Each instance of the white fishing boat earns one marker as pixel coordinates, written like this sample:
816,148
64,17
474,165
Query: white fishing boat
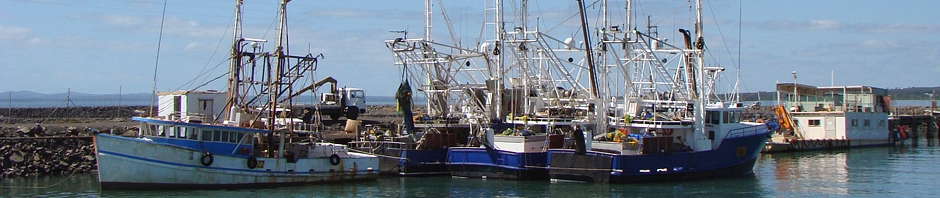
208,139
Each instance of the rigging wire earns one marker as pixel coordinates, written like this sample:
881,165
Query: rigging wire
157,62
740,26
203,71
720,33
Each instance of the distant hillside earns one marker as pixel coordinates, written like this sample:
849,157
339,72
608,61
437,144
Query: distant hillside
909,93
914,93
33,99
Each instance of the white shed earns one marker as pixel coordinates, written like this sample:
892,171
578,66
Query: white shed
187,105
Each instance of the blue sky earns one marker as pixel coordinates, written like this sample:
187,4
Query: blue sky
98,46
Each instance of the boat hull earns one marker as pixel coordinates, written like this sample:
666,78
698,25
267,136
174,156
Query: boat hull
497,164
410,162
735,156
821,144
133,163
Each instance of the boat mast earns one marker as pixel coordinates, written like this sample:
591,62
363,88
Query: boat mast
498,75
429,67
587,49
274,86
524,23
427,20
234,66
699,108
628,51
582,137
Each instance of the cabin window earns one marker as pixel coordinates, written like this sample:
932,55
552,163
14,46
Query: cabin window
725,117
233,137
735,117
184,133
356,94
192,133
854,122
713,117
206,135
216,136
225,136
153,130
164,130
796,122
814,123
867,122
174,131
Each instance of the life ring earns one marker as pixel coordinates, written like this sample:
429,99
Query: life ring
252,162
244,151
667,132
206,159
334,159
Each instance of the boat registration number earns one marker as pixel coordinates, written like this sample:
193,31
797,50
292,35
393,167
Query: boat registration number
741,151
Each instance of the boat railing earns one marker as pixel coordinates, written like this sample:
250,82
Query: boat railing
746,131
189,117
379,145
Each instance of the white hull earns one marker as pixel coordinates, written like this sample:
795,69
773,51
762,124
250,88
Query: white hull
138,163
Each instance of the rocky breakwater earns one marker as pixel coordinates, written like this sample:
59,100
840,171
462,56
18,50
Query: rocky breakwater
37,150
70,114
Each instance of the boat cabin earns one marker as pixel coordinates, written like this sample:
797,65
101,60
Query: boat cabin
196,136
837,112
191,106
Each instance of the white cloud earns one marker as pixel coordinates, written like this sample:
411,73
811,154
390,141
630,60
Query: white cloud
36,41
824,25
148,25
14,33
847,27
191,45
190,28
122,20
881,44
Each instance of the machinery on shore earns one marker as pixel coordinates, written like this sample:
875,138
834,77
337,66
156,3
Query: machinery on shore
338,102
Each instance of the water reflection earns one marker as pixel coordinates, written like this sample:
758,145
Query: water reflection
741,186
902,171
46,186
899,170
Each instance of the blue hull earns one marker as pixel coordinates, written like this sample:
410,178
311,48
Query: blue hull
498,164
735,156
410,162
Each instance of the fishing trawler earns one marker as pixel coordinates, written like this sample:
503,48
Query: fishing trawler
531,97
209,139
420,145
668,123
472,97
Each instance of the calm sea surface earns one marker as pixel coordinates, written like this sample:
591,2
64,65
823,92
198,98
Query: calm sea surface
905,171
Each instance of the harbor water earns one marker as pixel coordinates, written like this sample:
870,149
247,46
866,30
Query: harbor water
901,171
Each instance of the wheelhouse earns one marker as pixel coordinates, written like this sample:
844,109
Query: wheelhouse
210,138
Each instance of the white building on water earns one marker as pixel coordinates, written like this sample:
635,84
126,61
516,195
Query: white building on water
832,117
